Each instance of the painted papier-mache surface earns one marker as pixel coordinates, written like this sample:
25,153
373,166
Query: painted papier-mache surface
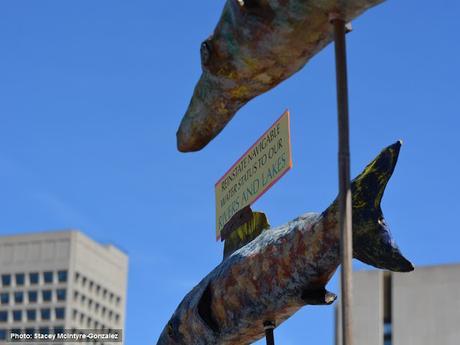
286,268
256,45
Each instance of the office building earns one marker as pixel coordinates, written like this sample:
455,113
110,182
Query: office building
417,308
60,280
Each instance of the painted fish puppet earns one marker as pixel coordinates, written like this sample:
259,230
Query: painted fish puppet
285,268
256,45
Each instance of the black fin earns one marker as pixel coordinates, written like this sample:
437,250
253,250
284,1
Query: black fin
245,233
373,242
318,297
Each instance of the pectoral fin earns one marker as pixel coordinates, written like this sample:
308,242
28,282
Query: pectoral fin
318,297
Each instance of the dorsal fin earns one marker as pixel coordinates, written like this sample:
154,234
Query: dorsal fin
245,233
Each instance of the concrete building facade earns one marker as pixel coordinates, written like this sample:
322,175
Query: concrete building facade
417,308
60,280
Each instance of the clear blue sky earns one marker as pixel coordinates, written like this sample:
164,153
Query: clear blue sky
91,94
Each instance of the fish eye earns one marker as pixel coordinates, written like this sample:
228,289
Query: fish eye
205,51
170,329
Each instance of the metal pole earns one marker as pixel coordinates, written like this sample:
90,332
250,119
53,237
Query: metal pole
345,200
269,327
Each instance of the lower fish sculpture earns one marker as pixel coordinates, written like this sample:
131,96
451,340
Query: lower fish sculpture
286,268
255,46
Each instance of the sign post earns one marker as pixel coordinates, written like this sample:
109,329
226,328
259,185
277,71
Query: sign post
254,173
269,336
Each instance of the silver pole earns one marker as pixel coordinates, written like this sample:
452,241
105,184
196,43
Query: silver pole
345,200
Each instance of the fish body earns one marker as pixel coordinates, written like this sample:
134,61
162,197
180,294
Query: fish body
286,268
256,45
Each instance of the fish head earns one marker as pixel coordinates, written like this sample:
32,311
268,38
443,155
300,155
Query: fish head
373,242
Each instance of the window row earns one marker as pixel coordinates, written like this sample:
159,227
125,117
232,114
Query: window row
33,296
90,322
95,307
97,288
33,278
43,314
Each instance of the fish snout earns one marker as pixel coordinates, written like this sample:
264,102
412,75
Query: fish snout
208,113
193,133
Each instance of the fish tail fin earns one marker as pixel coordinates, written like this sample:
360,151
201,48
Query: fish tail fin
373,243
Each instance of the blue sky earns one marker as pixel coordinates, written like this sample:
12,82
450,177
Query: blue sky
92,92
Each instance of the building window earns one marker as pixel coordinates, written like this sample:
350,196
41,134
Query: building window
30,331
61,294
47,295
83,281
44,330
6,280
118,300
20,278
104,293
117,318
96,307
98,289
3,316
5,298
17,315
91,285
32,296
15,330
2,334
19,297
45,314
48,277
31,315
387,333
58,329
33,278
387,309
74,314
62,276
60,313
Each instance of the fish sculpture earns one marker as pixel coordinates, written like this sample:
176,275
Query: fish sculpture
256,45
286,268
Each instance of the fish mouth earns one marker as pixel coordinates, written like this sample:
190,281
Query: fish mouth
209,111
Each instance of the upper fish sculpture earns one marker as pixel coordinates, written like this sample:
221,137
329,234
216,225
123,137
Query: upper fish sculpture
256,45
286,268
